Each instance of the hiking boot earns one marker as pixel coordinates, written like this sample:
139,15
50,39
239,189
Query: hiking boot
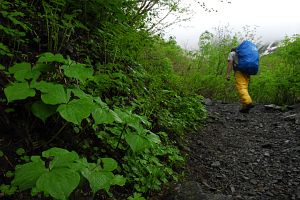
246,108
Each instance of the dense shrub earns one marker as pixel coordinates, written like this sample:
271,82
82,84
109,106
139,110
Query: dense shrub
91,100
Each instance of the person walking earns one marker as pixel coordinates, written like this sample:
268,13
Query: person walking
242,73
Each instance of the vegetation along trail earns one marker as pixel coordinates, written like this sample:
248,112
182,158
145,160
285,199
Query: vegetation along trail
245,156
97,103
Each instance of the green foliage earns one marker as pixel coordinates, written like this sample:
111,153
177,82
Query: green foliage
279,78
128,129
109,99
136,196
13,27
4,50
60,25
213,49
52,93
78,71
61,174
42,110
148,172
181,113
18,91
20,151
71,110
7,189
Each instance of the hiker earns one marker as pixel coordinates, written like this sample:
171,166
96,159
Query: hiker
243,70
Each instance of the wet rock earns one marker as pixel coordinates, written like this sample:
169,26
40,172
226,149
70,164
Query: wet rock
297,148
297,120
219,197
290,117
187,149
298,192
241,120
232,189
216,164
286,141
190,190
260,153
208,102
292,107
200,142
273,107
267,154
270,194
254,182
267,146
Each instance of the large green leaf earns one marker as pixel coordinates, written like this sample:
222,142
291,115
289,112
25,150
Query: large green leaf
26,175
103,116
98,180
23,71
24,66
81,94
130,119
77,110
118,180
61,157
51,93
50,57
153,138
42,111
101,103
42,67
18,91
81,164
108,164
117,118
59,183
78,71
136,142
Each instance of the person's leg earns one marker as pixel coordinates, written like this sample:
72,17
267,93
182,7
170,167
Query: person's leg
242,82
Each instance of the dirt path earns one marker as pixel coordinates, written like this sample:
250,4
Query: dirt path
246,156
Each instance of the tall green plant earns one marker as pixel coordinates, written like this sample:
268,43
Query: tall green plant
279,79
60,174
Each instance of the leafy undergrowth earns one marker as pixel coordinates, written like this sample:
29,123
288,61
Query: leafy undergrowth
85,141
89,107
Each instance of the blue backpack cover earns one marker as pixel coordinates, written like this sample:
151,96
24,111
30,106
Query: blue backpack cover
248,58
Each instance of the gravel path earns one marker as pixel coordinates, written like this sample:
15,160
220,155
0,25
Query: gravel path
247,156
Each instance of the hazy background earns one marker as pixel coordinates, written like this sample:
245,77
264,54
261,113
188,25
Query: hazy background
274,19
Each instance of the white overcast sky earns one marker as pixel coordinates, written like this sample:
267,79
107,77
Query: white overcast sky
274,18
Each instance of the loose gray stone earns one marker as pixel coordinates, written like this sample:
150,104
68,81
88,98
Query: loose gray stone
190,190
290,117
297,120
254,182
267,154
219,197
208,102
216,164
273,107
298,192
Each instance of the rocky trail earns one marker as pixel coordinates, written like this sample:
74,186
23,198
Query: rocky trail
243,156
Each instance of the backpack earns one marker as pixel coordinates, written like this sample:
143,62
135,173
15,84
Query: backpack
248,58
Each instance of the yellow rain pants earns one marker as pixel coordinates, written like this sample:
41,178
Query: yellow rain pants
241,84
